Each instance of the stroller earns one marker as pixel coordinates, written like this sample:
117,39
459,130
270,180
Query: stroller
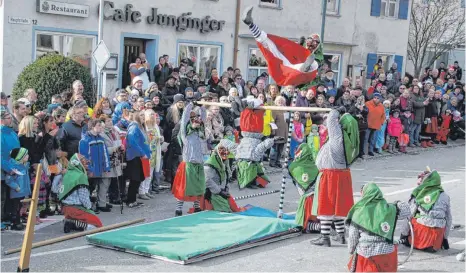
457,127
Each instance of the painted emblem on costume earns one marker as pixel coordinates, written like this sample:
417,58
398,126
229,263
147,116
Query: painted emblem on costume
305,177
427,199
385,227
62,188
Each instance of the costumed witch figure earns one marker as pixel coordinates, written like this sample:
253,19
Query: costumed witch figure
218,175
333,196
303,171
251,148
189,182
432,220
75,196
289,63
372,223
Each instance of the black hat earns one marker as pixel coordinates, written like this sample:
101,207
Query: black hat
178,97
320,84
176,70
329,70
170,77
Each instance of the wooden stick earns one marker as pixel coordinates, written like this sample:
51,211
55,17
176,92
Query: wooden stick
273,108
76,235
25,256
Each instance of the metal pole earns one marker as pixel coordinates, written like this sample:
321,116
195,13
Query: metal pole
324,14
99,38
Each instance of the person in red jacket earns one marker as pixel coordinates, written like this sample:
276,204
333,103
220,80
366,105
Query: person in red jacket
444,129
375,120
395,128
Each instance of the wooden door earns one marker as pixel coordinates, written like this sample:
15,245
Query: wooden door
133,47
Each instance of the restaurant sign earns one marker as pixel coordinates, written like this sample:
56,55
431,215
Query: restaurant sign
60,8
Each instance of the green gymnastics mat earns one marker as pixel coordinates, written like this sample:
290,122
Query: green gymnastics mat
196,237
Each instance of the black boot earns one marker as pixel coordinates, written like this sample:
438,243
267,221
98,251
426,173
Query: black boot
404,240
323,240
68,226
178,213
197,210
340,237
247,16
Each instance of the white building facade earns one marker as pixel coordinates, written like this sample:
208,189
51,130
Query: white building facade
359,32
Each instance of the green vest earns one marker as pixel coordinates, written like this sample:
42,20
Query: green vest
74,178
303,169
373,214
428,192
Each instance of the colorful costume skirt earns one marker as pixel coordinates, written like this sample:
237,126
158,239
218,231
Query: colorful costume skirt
189,182
219,203
249,172
380,263
425,237
81,214
333,195
304,212
432,127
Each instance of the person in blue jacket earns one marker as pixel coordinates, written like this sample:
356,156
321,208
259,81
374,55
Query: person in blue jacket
118,113
92,147
20,185
137,148
10,141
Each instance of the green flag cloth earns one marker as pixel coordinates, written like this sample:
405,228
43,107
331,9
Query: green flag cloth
74,178
350,129
428,192
373,214
303,168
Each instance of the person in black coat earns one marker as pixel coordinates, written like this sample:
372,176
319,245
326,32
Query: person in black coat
170,90
359,111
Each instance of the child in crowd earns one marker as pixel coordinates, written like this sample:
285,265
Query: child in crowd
313,140
155,136
307,123
395,128
19,184
444,129
380,134
297,135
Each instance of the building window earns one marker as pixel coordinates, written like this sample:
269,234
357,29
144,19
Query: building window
77,47
270,3
203,58
333,60
256,64
333,7
389,8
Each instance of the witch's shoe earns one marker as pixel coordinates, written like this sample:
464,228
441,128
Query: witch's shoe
247,16
340,237
322,241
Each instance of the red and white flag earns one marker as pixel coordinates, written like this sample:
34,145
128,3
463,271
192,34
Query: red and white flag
282,72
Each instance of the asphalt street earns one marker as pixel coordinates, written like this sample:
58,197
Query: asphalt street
396,175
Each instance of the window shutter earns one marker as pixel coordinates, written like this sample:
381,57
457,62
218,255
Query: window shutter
375,8
371,61
403,9
399,62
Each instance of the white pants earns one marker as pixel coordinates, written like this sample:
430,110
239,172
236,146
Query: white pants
145,185
270,45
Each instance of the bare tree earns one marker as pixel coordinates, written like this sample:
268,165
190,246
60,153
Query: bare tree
436,27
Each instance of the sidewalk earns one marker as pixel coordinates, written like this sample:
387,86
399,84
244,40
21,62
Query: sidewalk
410,151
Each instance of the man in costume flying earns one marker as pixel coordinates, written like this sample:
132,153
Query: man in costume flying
333,196
430,206
372,223
289,63
75,197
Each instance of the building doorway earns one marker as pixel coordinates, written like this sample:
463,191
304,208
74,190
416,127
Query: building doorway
132,49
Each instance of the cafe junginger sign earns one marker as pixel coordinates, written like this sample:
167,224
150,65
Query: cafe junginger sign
180,23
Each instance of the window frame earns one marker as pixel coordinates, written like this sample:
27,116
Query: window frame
258,68
199,45
337,8
93,68
340,65
386,12
277,5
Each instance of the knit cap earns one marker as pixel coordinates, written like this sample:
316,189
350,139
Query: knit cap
18,153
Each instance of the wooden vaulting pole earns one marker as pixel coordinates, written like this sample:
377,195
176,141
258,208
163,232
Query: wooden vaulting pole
273,108
25,256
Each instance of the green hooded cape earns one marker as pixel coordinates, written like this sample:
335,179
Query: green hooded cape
350,129
74,178
373,214
303,168
428,192
218,203
190,130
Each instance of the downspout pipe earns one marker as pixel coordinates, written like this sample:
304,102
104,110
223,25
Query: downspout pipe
237,22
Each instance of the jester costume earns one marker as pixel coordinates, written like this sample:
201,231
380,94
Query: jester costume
289,63
75,197
251,148
303,171
371,223
333,196
432,219
189,182
218,175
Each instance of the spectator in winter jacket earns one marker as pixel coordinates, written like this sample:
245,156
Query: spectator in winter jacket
70,133
344,87
328,81
162,71
345,100
116,117
393,77
92,147
459,71
395,128
223,86
359,111
213,81
375,120
120,96
170,89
